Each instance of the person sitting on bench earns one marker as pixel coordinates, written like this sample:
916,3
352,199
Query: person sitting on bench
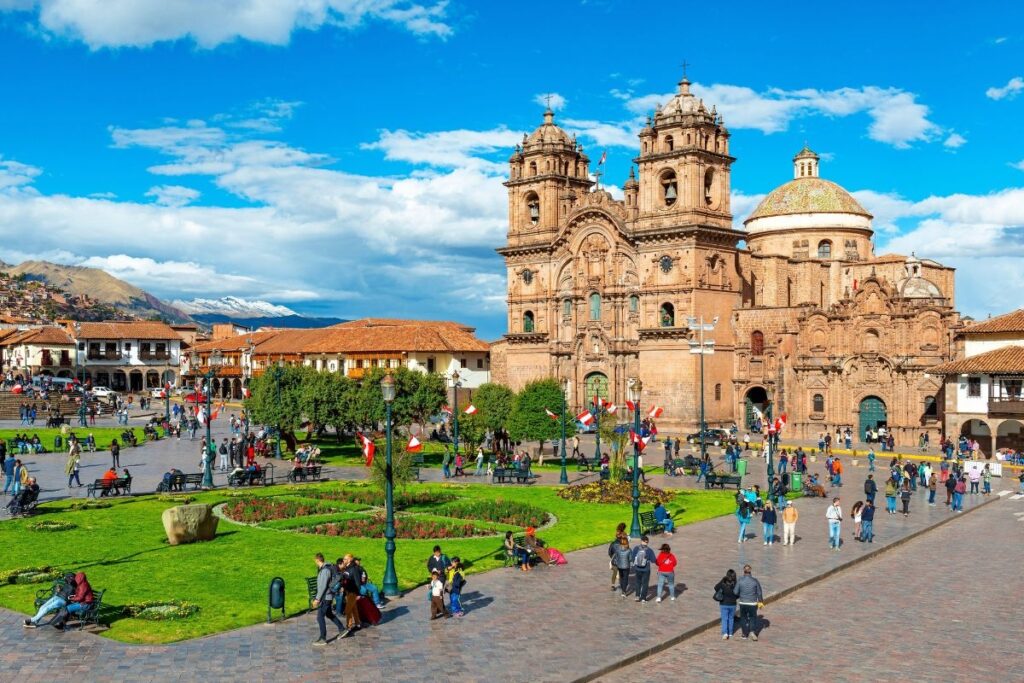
536,546
63,591
814,488
79,602
664,518
108,479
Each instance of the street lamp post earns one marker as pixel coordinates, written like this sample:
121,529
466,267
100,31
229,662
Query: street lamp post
387,388
703,348
597,410
455,412
211,450
85,395
167,401
564,478
278,369
635,389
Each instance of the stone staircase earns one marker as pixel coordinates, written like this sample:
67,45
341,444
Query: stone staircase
10,405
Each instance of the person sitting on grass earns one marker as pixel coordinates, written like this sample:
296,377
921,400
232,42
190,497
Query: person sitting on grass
664,518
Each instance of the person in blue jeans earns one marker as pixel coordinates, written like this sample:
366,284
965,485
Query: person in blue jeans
768,518
743,515
783,462
663,517
704,464
9,474
366,587
456,582
871,460
834,515
867,522
726,590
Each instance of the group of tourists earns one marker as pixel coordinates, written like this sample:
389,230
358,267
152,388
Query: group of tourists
343,587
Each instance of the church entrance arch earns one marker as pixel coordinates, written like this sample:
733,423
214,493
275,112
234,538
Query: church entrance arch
1010,434
756,397
873,414
596,384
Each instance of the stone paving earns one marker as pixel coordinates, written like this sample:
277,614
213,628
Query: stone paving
944,607
552,624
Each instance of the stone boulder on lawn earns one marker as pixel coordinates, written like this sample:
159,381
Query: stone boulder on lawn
190,523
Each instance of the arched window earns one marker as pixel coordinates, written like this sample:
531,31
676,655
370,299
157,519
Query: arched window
709,184
669,189
667,315
718,392
669,143
528,321
931,408
634,303
566,307
818,404
595,306
824,249
533,168
756,343
533,207
645,148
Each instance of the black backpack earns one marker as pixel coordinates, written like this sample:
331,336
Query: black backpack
334,582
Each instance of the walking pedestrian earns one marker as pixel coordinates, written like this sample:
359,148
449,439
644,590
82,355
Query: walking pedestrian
445,463
620,533
871,460
933,483
855,512
743,515
789,517
958,493
749,597
870,488
768,518
867,521
905,494
986,480
725,596
666,571
975,476
115,453
479,461
622,560
951,482
890,495
642,559
455,583
834,515
73,464
223,455
326,584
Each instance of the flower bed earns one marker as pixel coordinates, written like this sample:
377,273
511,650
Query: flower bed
619,492
373,498
408,528
30,575
177,500
255,510
499,510
161,610
52,525
89,505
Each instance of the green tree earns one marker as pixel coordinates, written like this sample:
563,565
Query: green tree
326,399
401,465
276,400
494,401
528,421
418,395
471,431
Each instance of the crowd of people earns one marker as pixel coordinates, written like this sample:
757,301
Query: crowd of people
344,587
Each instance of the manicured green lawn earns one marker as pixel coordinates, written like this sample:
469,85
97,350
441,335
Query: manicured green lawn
123,549
103,435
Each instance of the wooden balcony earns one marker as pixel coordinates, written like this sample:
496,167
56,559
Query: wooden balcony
154,356
1010,407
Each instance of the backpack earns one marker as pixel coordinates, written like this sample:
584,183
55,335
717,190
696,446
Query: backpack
622,557
641,561
334,582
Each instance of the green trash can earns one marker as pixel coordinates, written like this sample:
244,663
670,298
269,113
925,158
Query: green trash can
741,467
796,481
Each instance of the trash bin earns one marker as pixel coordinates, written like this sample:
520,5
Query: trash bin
796,481
741,467
58,443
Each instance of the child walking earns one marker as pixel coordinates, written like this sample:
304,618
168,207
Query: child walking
437,609
455,583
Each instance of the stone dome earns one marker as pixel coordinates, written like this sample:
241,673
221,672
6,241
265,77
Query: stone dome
685,103
807,195
549,134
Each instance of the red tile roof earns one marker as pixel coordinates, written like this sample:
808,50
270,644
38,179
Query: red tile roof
1009,359
1007,322
132,329
38,335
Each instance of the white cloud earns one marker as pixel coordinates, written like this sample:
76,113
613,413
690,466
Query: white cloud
173,195
897,118
14,174
1012,88
742,206
552,99
605,134
447,149
955,141
1018,165
209,23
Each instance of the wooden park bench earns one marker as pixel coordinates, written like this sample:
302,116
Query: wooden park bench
105,487
88,616
298,474
588,465
501,474
311,589
521,477
244,478
722,480
650,525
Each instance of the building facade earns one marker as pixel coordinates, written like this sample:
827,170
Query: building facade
806,318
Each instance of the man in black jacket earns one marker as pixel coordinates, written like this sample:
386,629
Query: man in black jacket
325,580
870,488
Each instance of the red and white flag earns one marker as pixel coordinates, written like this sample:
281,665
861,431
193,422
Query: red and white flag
201,416
631,406
637,440
597,402
470,410
604,157
586,417
610,407
368,448
780,422
446,409
550,414
656,411
246,393
414,445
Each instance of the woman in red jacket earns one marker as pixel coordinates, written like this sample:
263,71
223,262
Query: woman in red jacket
666,562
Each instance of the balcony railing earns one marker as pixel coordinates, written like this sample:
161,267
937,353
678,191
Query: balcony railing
1006,406
104,356
154,356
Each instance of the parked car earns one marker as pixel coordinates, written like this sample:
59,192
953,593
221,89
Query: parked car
157,393
714,437
102,392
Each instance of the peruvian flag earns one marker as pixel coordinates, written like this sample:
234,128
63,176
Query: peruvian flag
550,414
246,393
470,410
586,417
631,406
446,409
780,422
368,448
604,157
201,416
414,445
638,441
611,408
216,411
656,411
597,401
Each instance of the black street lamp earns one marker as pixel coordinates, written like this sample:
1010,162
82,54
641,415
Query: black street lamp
703,348
635,388
455,412
564,478
278,370
85,394
387,388
211,450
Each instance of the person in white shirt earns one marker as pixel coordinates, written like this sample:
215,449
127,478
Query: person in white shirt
834,515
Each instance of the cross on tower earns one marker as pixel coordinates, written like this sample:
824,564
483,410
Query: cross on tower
597,176
684,65
547,100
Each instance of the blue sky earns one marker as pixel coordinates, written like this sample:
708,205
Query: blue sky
345,157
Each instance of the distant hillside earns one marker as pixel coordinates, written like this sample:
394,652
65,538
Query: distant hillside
99,286
294,321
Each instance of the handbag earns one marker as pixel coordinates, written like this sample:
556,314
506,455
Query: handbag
719,595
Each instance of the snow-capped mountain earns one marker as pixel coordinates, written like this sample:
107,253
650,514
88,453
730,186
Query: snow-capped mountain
234,307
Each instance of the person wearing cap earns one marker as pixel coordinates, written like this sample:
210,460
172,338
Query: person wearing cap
643,558
666,571
664,518
789,517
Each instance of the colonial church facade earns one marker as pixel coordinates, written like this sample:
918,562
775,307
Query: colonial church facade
806,318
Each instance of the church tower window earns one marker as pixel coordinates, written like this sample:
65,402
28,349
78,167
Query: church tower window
718,392
669,143
595,306
824,249
669,188
634,303
756,343
528,322
533,168
931,408
566,307
818,404
709,184
667,315
533,207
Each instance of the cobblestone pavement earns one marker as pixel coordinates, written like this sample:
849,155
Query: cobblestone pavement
944,607
552,624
